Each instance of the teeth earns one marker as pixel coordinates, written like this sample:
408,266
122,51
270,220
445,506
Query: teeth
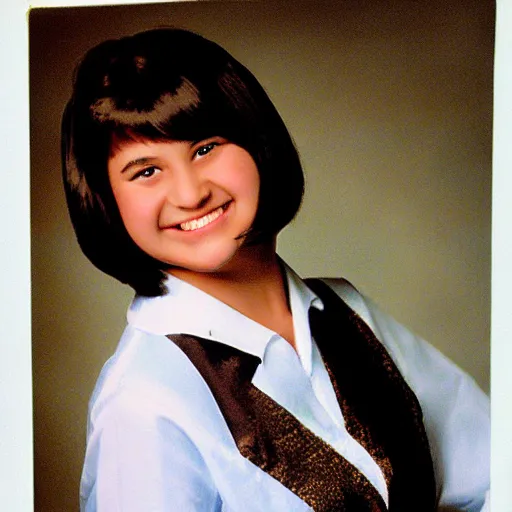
203,221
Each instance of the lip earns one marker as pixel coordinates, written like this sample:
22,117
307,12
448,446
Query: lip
176,226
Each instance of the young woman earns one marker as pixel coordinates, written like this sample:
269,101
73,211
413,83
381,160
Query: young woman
237,386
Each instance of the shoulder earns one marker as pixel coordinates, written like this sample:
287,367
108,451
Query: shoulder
395,338
412,354
149,379
415,357
140,417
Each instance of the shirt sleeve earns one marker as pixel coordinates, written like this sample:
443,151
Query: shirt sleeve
456,415
137,460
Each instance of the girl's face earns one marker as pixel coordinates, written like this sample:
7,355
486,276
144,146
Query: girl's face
184,203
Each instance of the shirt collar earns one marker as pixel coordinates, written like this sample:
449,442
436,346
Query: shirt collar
301,300
186,309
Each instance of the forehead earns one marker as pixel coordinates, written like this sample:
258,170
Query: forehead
129,142
121,142
129,150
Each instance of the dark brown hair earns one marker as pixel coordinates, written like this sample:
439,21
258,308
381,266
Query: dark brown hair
166,84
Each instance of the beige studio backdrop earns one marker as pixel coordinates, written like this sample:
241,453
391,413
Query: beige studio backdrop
390,106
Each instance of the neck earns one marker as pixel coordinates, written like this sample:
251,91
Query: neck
254,269
253,283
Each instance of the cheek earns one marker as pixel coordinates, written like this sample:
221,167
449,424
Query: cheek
251,187
245,180
136,212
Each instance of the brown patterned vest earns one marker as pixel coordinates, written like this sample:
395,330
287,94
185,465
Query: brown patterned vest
380,412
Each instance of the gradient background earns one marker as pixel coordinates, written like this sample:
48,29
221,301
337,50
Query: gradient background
391,109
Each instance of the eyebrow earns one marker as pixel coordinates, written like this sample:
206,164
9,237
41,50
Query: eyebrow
137,162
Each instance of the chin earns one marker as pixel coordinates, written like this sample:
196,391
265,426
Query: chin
211,263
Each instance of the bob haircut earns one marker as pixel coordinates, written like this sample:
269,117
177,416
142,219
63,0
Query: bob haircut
166,84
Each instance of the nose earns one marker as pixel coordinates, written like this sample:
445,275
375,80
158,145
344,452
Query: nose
188,190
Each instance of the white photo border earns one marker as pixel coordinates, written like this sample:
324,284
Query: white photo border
16,464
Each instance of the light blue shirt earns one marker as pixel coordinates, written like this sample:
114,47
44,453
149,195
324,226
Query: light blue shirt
158,442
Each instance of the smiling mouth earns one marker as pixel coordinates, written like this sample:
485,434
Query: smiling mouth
201,222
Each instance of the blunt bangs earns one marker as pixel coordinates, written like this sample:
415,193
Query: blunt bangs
166,84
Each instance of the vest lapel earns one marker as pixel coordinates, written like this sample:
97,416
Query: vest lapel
379,408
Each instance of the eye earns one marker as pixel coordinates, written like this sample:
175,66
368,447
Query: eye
205,149
145,173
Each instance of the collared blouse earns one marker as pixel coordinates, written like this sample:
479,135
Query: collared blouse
156,440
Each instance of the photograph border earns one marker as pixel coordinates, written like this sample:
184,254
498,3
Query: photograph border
15,364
